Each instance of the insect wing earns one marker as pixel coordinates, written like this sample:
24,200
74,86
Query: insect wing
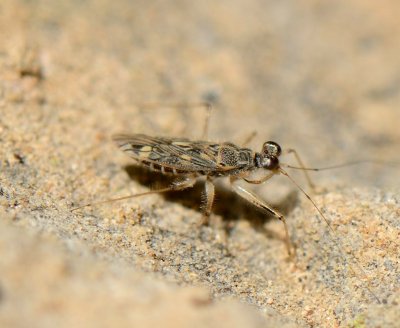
177,153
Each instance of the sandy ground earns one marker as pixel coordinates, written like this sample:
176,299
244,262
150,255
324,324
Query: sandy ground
322,77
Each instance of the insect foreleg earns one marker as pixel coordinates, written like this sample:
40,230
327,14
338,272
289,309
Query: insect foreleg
260,181
256,201
301,164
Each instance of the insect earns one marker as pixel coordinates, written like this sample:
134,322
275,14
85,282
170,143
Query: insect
188,160
192,159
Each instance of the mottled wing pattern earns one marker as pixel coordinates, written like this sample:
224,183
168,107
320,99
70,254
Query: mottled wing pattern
178,153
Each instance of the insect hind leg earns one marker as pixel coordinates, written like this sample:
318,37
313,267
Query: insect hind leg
188,182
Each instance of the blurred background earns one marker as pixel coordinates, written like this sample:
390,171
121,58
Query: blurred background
319,76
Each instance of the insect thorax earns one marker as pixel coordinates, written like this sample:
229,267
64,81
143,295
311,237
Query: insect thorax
231,160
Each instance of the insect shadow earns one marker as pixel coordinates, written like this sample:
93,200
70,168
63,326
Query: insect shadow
227,203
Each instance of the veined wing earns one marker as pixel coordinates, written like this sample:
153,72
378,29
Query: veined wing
178,153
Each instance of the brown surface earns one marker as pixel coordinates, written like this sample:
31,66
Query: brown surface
322,77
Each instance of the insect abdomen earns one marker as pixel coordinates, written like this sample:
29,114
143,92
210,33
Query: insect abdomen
168,170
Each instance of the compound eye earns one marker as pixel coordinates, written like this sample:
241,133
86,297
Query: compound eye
270,163
272,148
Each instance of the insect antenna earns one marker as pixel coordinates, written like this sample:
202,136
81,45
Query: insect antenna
337,166
335,239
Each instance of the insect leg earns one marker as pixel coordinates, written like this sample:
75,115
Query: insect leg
249,138
176,186
210,193
256,201
301,164
185,183
207,106
259,181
